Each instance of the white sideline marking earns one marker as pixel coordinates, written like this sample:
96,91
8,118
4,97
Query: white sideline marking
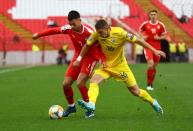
15,69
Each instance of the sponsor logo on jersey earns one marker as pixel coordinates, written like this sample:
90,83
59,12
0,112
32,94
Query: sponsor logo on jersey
110,48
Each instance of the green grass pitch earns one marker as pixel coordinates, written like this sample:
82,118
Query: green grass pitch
26,95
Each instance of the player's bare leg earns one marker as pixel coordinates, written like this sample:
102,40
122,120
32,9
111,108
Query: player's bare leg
93,94
68,92
135,90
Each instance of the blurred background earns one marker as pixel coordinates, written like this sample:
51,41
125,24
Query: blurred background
19,19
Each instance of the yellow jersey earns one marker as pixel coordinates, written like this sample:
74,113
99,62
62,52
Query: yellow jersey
113,46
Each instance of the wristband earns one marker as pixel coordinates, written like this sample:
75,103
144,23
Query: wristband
79,58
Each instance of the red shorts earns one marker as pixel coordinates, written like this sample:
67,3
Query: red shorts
149,55
86,66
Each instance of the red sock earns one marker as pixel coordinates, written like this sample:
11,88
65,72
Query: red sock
84,92
153,74
68,92
150,76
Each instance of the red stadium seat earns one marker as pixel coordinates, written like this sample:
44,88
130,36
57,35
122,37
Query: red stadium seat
11,41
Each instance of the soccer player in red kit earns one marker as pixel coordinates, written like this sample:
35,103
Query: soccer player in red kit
153,31
78,33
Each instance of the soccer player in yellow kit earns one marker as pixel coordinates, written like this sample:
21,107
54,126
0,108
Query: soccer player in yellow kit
112,40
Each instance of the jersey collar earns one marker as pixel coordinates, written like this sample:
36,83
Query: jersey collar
82,29
154,23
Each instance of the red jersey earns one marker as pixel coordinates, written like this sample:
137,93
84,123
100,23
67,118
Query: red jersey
78,39
150,30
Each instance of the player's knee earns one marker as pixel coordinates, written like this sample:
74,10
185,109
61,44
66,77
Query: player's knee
151,66
154,65
66,84
95,80
134,91
81,82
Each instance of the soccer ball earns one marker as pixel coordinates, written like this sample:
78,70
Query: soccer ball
56,112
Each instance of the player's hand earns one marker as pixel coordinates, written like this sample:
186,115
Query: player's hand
104,65
156,37
35,36
160,53
145,37
76,63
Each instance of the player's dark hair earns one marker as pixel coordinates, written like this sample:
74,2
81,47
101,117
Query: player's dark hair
73,15
101,24
153,11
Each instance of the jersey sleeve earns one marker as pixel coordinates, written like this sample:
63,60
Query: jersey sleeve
163,29
92,39
142,27
128,36
51,31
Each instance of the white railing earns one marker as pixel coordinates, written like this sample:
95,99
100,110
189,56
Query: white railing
41,9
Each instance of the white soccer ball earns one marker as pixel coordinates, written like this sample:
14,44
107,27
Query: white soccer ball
56,112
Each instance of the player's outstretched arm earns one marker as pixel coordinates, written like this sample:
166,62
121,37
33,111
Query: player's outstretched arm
142,35
143,43
52,31
81,55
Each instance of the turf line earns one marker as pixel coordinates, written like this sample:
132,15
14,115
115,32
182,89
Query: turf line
15,69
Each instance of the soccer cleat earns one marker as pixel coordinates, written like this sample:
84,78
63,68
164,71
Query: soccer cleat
69,110
157,107
150,87
82,104
89,114
90,106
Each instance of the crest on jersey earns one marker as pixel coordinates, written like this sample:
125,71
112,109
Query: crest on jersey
123,75
130,36
158,27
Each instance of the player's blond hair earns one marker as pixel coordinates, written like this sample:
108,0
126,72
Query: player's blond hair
101,24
